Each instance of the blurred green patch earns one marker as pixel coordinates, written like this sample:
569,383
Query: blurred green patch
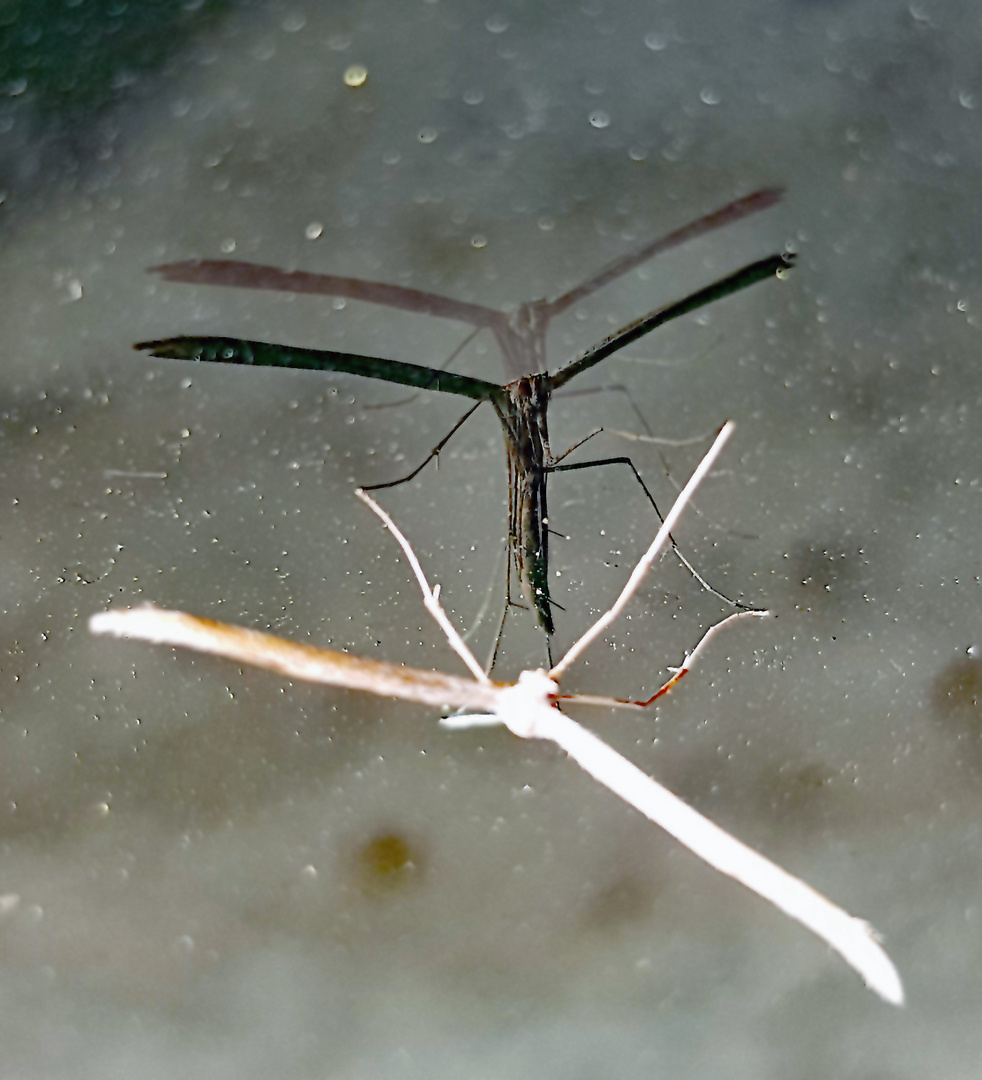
72,58
387,863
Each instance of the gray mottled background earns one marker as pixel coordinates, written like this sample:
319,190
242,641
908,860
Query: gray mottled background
210,872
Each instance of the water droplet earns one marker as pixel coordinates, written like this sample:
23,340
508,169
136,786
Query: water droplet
973,651
227,246
708,96
599,119
546,224
309,872
294,22
497,24
637,153
314,230
966,99
355,75
479,241
391,157
473,96
656,42
428,134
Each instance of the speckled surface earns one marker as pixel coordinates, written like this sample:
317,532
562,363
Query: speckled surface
210,872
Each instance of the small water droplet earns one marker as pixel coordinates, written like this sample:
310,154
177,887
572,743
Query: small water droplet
546,224
708,96
309,872
227,246
473,96
599,119
428,134
355,75
637,153
479,241
656,42
294,22
496,24
973,651
314,230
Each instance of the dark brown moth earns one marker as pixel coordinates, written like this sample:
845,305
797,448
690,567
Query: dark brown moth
521,404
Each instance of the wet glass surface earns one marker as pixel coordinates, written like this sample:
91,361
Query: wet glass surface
210,871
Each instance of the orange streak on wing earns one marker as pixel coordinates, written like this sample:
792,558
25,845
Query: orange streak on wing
297,660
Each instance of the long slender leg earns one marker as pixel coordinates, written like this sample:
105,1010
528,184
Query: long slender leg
739,605
613,388
694,511
552,466
435,452
509,604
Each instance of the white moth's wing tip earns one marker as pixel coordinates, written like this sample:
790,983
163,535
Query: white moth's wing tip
147,622
462,721
876,968
858,944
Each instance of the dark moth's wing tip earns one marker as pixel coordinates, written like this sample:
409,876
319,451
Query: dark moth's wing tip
176,271
178,348
764,198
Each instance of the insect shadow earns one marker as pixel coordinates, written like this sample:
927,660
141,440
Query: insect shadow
521,404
